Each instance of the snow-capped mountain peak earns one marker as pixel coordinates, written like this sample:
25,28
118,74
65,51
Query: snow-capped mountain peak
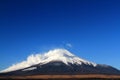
62,55
65,56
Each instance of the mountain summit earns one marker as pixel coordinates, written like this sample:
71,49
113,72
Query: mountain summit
57,61
63,56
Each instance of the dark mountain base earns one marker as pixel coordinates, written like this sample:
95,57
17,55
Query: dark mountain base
60,68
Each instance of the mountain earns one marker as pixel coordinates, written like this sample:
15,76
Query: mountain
58,62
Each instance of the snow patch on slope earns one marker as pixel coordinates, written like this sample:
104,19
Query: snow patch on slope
28,69
52,55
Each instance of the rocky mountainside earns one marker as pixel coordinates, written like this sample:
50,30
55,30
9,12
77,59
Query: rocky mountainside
59,61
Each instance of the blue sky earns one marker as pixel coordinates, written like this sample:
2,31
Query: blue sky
92,27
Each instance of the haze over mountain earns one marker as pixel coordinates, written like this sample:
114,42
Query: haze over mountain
57,61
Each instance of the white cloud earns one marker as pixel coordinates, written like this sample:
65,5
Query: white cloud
69,45
31,60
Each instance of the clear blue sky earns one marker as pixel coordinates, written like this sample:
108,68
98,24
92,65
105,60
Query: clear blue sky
92,27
